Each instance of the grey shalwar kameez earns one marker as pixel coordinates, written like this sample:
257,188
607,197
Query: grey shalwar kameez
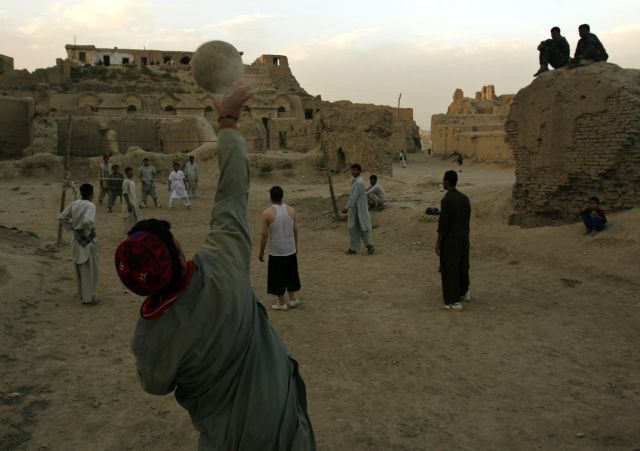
216,347
359,222
453,225
80,217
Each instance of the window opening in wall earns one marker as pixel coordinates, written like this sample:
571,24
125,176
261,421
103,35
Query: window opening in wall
143,61
166,59
83,57
281,111
185,60
208,109
125,60
169,108
308,113
276,61
131,108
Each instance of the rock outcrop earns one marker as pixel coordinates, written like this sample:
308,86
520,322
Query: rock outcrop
575,134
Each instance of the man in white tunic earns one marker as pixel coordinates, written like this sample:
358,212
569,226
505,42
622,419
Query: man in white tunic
191,172
359,222
80,217
103,175
176,186
130,206
279,228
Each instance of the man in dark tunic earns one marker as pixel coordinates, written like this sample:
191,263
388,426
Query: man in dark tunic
554,51
589,47
453,243
202,334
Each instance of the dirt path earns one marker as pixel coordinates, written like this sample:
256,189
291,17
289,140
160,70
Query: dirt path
544,357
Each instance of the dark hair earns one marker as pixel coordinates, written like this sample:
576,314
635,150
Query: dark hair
555,29
373,177
115,166
105,157
145,159
128,168
585,27
594,199
356,166
162,229
451,177
276,193
86,190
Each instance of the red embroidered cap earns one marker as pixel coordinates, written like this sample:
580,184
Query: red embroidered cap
144,263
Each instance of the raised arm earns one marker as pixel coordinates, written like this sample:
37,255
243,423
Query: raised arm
229,229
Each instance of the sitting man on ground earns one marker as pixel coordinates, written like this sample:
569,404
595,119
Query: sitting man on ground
589,48
593,216
376,197
554,51
202,334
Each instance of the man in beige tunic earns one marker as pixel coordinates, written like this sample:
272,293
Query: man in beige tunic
80,217
130,206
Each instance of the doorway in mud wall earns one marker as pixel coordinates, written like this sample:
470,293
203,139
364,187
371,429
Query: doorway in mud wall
282,139
106,60
265,122
342,160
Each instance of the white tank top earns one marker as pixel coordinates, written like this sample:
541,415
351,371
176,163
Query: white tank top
281,240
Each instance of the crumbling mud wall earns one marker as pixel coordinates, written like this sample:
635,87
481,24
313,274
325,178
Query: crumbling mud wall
353,135
473,127
575,134
16,125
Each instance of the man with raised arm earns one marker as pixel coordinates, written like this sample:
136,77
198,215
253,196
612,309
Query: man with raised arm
202,333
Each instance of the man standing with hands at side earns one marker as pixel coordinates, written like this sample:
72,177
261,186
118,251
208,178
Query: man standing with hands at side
452,245
279,228
359,222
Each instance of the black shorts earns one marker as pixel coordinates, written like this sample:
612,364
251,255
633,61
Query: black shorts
283,275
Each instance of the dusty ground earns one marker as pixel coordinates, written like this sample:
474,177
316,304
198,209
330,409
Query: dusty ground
545,357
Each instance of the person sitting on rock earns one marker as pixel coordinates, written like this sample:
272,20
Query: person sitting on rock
589,48
554,51
593,216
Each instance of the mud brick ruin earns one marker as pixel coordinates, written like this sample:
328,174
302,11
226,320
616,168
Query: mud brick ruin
575,134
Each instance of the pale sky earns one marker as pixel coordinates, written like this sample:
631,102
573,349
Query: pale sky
363,51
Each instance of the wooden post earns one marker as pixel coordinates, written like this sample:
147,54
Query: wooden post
333,198
65,178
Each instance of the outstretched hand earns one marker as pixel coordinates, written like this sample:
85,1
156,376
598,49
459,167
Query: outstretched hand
232,103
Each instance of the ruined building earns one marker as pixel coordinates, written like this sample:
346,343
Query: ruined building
473,127
575,134
90,55
127,104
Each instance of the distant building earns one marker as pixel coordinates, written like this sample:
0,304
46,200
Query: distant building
89,54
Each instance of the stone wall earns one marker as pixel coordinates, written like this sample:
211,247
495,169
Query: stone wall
575,134
16,125
473,127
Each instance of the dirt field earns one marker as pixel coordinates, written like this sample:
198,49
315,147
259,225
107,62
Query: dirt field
545,357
